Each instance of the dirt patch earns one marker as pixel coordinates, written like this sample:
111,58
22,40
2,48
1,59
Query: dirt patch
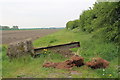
78,61
50,64
65,65
98,63
10,36
65,53
68,64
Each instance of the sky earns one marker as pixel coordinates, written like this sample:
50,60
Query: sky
41,13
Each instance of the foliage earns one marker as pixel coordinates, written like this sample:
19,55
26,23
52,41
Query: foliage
15,27
8,28
4,27
72,24
103,20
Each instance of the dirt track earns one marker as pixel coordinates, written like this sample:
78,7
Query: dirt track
18,35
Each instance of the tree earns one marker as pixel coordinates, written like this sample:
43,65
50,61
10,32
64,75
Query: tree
103,19
15,27
5,27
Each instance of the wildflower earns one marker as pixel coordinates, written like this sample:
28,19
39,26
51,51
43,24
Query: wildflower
103,74
44,52
110,75
45,49
103,69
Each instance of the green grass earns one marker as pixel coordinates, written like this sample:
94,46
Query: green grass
90,47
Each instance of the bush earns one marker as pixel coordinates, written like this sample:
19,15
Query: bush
102,19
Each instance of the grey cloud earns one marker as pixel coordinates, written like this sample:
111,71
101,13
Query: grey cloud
41,13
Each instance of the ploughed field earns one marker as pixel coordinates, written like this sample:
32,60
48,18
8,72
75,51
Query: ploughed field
9,36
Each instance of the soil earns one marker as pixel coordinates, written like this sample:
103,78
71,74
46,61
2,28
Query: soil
78,61
98,63
9,36
68,64
65,65
65,53
50,64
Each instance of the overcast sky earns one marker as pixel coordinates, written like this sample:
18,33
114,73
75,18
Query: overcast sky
41,13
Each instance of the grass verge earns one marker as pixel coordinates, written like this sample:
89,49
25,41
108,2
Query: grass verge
90,47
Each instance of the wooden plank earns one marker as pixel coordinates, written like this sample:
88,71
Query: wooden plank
61,46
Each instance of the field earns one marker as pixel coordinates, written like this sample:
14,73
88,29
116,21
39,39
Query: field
28,67
9,36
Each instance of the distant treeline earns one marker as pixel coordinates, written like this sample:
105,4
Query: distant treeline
16,28
8,28
103,20
43,28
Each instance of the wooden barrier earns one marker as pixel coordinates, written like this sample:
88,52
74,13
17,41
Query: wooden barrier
63,48
22,48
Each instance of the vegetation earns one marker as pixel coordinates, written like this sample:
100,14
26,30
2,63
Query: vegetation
8,28
98,34
103,20
90,47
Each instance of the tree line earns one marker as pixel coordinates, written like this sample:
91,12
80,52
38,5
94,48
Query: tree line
8,28
103,20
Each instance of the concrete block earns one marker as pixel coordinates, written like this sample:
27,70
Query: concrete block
21,48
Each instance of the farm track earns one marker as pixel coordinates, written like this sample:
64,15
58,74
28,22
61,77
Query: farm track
10,36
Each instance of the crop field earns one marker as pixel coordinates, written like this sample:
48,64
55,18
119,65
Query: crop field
9,36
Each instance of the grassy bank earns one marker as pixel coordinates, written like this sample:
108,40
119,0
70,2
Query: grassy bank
90,47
